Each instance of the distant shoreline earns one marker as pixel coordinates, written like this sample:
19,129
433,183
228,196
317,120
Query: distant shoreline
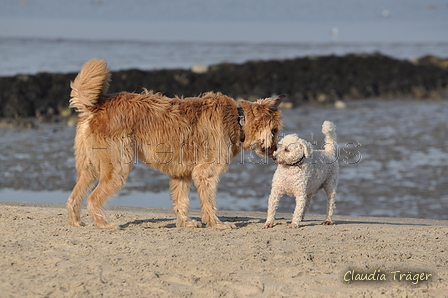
320,80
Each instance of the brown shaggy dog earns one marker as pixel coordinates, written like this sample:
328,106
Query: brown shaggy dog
186,138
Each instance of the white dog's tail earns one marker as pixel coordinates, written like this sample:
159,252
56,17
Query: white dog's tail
329,130
90,83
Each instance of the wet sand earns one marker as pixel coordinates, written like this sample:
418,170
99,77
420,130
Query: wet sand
42,256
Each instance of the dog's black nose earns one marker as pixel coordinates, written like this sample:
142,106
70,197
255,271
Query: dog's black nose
273,158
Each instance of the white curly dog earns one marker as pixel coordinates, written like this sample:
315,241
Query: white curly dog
302,172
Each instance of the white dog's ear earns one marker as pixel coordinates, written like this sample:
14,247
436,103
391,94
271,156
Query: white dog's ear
307,149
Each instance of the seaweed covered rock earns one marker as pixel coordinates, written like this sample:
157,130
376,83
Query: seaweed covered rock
321,80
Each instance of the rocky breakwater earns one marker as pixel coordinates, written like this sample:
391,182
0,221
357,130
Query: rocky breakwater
320,80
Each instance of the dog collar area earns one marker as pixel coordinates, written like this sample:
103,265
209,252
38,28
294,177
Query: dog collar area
241,121
297,163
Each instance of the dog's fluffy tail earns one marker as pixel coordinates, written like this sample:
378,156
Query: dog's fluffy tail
90,83
329,130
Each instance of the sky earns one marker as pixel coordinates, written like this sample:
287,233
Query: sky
228,20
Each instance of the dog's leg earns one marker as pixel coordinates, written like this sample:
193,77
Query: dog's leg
106,188
331,196
307,206
206,177
112,179
180,188
299,211
274,198
86,179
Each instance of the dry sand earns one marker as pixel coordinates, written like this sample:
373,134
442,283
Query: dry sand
41,256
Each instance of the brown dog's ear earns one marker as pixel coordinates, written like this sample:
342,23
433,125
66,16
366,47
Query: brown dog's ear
244,103
277,100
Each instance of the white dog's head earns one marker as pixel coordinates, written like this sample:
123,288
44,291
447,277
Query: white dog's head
292,150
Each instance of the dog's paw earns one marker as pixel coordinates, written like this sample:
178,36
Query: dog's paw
189,224
77,224
268,225
222,226
327,223
293,226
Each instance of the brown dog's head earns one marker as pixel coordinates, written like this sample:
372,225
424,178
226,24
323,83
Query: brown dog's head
262,122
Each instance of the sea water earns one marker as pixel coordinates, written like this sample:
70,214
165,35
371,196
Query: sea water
401,145
392,156
59,36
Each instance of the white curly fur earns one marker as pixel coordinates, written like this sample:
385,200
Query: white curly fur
302,172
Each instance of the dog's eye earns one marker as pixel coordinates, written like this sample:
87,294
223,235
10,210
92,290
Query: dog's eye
286,150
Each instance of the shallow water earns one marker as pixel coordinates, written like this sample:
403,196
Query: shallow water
393,162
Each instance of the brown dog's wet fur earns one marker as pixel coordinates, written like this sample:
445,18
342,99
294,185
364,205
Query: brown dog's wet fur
187,138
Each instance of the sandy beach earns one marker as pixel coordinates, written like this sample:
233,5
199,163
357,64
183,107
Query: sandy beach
42,256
